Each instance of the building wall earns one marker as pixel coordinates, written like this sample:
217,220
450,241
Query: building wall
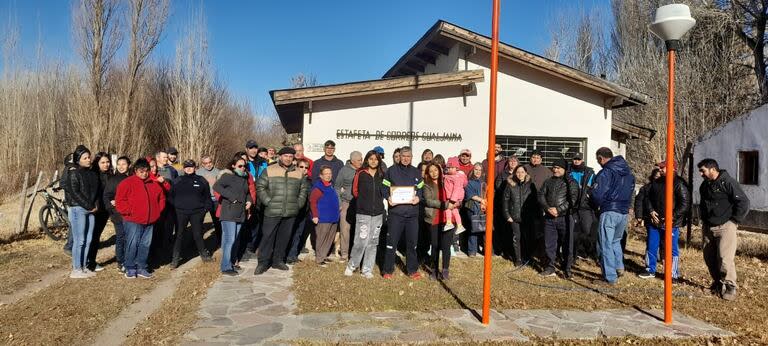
530,103
724,143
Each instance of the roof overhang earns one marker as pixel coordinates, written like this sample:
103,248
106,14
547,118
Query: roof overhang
291,103
632,131
433,43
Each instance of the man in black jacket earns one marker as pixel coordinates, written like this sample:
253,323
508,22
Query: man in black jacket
558,198
654,208
723,205
404,217
585,243
191,196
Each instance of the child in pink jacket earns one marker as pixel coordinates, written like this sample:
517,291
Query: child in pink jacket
454,182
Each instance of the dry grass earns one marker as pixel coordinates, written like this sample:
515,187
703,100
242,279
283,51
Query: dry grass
178,313
25,262
72,311
523,289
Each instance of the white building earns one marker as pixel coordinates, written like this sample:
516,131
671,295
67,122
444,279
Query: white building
740,148
437,95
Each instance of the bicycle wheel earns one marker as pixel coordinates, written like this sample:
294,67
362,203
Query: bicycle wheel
54,224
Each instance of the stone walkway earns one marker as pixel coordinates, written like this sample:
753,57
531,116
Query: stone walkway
262,310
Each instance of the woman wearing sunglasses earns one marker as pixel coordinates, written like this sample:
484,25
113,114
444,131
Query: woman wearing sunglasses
234,203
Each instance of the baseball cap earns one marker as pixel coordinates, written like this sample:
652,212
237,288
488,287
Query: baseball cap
465,151
251,144
578,156
378,150
663,164
190,163
172,150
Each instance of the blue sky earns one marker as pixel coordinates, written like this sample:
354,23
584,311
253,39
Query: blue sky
256,46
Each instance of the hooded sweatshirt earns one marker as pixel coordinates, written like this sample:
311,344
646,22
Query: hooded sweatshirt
614,186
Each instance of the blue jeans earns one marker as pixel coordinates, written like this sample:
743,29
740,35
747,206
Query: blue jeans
612,228
138,239
119,242
81,231
652,253
229,246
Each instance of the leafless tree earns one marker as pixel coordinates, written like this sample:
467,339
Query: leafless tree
98,33
147,20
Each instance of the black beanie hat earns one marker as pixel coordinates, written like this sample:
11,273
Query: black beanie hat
79,151
560,163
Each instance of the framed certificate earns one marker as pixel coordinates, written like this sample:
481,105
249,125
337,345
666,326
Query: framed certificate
402,194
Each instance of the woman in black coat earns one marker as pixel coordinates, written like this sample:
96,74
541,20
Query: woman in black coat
102,165
122,171
80,190
520,211
234,202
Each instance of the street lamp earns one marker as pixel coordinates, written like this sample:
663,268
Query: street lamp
670,24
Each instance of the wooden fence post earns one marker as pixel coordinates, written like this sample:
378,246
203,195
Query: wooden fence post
32,202
23,202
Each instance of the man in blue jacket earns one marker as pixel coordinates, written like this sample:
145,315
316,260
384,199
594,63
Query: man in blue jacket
612,192
403,218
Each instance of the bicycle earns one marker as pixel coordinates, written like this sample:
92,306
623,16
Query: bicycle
53,215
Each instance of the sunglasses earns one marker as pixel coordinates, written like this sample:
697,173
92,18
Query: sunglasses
304,167
239,166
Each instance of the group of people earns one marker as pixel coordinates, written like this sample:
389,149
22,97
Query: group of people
272,203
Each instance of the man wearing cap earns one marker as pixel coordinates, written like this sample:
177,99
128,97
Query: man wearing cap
655,205
191,196
380,153
173,159
256,164
282,189
465,162
612,193
538,172
329,159
585,242
558,198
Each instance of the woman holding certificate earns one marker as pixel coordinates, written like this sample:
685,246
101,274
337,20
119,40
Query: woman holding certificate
435,204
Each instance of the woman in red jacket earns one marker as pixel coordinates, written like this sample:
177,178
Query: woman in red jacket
140,200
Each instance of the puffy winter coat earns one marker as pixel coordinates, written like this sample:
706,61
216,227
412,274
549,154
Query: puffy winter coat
584,176
614,186
434,201
654,201
559,193
520,200
282,191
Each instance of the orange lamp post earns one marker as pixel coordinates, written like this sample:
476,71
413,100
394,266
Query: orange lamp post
491,166
670,24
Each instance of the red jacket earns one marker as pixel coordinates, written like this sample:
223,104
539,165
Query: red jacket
140,201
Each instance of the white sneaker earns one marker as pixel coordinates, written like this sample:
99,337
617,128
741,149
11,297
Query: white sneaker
78,274
98,268
348,271
460,229
368,275
448,226
89,273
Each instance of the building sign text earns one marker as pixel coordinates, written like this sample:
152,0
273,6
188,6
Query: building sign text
399,135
